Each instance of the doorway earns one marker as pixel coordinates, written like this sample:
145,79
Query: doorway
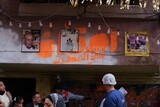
23,87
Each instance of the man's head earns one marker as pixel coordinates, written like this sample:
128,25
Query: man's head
109,81
36,98
57,88
28,39
2,86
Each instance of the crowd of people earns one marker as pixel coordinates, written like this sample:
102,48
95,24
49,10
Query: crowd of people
63,97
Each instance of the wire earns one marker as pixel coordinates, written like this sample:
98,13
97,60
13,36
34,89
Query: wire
17,20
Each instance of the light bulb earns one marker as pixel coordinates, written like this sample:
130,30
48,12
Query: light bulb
20,25
29,24
10,23
89,25
147,39
100,2
40,24
158,42
118,33
109,31
82,1
99,27
137,38
69,23
50,25
91,0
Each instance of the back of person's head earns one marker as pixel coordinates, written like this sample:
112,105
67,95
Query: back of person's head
17,99
56,87
109,79
17,102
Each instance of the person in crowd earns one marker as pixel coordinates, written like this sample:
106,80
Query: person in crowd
36,101
48,102
17,102
67,95
113,98
57,96
5,96
28,43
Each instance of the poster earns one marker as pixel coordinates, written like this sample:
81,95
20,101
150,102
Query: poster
69,40
31,41
136,44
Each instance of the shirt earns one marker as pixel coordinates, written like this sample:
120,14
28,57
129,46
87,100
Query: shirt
114,99
4,98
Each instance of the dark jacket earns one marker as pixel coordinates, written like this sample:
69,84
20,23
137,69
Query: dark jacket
32,105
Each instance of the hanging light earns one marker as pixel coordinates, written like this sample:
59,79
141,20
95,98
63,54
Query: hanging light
137,38
89,25
108,2
10,23
50,25
20,25
29,24
40,24
99,27
69,23
118,33
100,2
158,42
82,1
109,31
147,39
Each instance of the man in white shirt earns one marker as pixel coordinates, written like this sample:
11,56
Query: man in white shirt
5,97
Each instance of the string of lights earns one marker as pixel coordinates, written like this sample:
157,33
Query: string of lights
142,3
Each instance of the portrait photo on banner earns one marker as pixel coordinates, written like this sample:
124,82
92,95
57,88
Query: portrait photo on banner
31,41
69,40
136,44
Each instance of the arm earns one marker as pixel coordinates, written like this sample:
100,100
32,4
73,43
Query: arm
75,96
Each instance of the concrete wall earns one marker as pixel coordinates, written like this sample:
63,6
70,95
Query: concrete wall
95,47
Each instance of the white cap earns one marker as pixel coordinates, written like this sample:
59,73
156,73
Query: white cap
109,79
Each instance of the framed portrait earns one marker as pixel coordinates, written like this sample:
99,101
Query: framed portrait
136,44
69,40
31,41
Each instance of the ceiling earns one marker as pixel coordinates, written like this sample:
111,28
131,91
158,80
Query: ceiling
126,74
36,8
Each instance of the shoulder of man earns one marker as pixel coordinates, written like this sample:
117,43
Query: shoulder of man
29,105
